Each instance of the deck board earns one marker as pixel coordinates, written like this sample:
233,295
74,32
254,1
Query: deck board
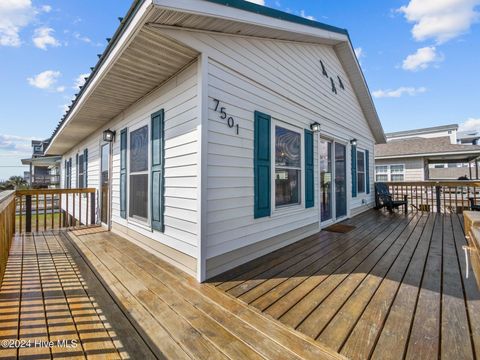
395,291
204,322
392,288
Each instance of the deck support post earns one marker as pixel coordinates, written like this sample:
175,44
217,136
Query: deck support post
28,213
438,198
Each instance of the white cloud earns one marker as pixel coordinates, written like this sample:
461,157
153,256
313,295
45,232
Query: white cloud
46,8
14,15
422,59
441,20
79,37
359,53
43,37
470,125
259,2
304,15
411,91
46,80
15,144
80,80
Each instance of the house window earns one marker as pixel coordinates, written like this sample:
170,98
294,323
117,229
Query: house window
385,173
287,167
360,172
397,172
138,204
381,173
81,172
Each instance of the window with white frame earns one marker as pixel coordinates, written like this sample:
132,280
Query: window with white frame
288,166
397,172
361,172
385,173
138,199
381,173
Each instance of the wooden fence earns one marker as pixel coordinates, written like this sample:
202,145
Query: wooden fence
7,226
48,209
437,196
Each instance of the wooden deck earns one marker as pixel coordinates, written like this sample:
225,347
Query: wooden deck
392,288
118,301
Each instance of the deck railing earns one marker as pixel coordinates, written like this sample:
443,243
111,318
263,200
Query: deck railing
7,226
437,196
48,209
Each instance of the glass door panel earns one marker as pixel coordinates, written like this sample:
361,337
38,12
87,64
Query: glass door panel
340,180
326,180
105,182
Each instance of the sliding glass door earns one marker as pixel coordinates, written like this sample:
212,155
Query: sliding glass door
340,180
333,180
326,176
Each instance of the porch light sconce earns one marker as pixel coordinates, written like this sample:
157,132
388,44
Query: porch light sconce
353,142
108,135
315,127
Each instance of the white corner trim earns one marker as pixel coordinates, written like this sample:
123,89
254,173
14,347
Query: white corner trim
202,167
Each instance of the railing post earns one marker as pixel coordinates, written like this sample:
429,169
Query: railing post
92,209
28,213
438,198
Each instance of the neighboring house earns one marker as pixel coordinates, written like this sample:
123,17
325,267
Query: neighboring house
218,131
44,170
425,154
468,137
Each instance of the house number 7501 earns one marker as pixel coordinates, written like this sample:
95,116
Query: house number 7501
223,116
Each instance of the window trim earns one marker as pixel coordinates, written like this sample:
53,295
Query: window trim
289,207
143,223
389,171
364,172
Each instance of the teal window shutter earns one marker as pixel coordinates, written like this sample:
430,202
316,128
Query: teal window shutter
85,168
354,170
123,173
65,175
70,173
77,168
309,174
262,165
157,180
367,170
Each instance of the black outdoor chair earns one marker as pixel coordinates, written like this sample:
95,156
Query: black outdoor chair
473,206
383,198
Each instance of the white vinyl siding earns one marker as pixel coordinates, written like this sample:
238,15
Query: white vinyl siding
178,97
284,80
413,168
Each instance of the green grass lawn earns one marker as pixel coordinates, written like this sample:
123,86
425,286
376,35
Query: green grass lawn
41,221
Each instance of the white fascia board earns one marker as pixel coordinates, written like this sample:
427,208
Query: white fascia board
427,155
207,8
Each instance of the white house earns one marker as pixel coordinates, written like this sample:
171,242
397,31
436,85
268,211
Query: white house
239,129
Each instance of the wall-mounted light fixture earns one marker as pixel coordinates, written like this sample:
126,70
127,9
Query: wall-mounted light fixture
353,142
109,135
315,127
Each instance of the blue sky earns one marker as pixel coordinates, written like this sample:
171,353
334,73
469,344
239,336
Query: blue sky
419,57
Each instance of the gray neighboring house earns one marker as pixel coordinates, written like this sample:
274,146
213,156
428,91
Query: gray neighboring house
437,153
44,170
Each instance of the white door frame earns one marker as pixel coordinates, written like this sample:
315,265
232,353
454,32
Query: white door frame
109,190
333,140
